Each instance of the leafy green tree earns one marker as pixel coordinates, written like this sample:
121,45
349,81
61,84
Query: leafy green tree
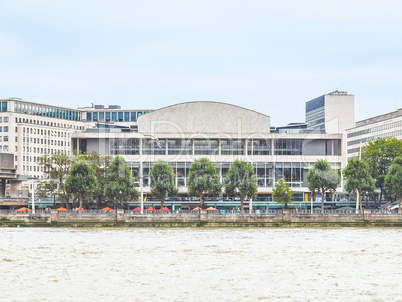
120,182
358,178
393,180
203,180
282,193
55,168
322,178
241,181
379,155
162,181
99,163
81,180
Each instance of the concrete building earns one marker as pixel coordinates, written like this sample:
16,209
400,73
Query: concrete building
180,133
332,113
385,125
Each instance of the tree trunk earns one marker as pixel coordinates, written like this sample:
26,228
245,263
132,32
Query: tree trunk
202,200
242,204
360,202
163,197
380,196
80,202
322,201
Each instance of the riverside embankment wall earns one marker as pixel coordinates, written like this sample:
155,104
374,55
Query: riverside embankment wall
202,219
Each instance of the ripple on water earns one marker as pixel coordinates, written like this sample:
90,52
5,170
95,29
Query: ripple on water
201,265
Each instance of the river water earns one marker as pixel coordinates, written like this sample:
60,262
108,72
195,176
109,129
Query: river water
188,264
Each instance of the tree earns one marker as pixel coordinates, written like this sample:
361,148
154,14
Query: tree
322,178
81,180
282,193
163,181
241,181
120,182
203,180
56,168
358,178
379,155
99,163
393,180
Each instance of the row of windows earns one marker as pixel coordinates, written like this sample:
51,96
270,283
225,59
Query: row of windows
267,173
45,132
3,138
120,116
44,141
375,129
4,118
374,137
4,129
131,146
47,111
45,123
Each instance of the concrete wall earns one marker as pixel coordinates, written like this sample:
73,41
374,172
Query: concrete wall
205,118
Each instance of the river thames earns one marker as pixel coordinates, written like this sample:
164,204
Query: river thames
186,264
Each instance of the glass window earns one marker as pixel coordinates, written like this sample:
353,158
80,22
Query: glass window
139,114
101,116
95,116
206,147
107,116
177,146
4,106
126,116
114,116
120,116
5,138
6,119
5,128
133,116
89,117
1,129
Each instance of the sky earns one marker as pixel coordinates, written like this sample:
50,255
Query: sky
268,56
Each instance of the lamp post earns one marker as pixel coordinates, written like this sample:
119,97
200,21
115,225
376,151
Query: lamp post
33,192
141,169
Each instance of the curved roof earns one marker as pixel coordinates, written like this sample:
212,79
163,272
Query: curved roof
203,117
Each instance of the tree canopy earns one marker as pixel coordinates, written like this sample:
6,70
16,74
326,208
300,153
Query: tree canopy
322,178
393,180
358,178
99,163
81,180
162,181
120,182
282,193
379,155
203,180
56,168
241,181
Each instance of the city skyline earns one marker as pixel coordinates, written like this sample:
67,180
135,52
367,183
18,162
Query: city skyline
270,57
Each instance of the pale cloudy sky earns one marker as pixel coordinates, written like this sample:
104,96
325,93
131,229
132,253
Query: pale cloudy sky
269,56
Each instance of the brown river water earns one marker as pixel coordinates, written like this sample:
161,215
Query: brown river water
188,264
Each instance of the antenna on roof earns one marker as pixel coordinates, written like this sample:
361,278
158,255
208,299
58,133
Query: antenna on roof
92,105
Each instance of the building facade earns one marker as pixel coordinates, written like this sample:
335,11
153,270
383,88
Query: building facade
181,133
385,125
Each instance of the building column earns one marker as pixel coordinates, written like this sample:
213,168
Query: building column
3,188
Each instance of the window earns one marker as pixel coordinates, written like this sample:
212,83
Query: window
126,116
5,129
133,116
1,119
107,116
101,116
120,116
1,129
5,138
1,138
114,116
6,119
95,116
4,107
